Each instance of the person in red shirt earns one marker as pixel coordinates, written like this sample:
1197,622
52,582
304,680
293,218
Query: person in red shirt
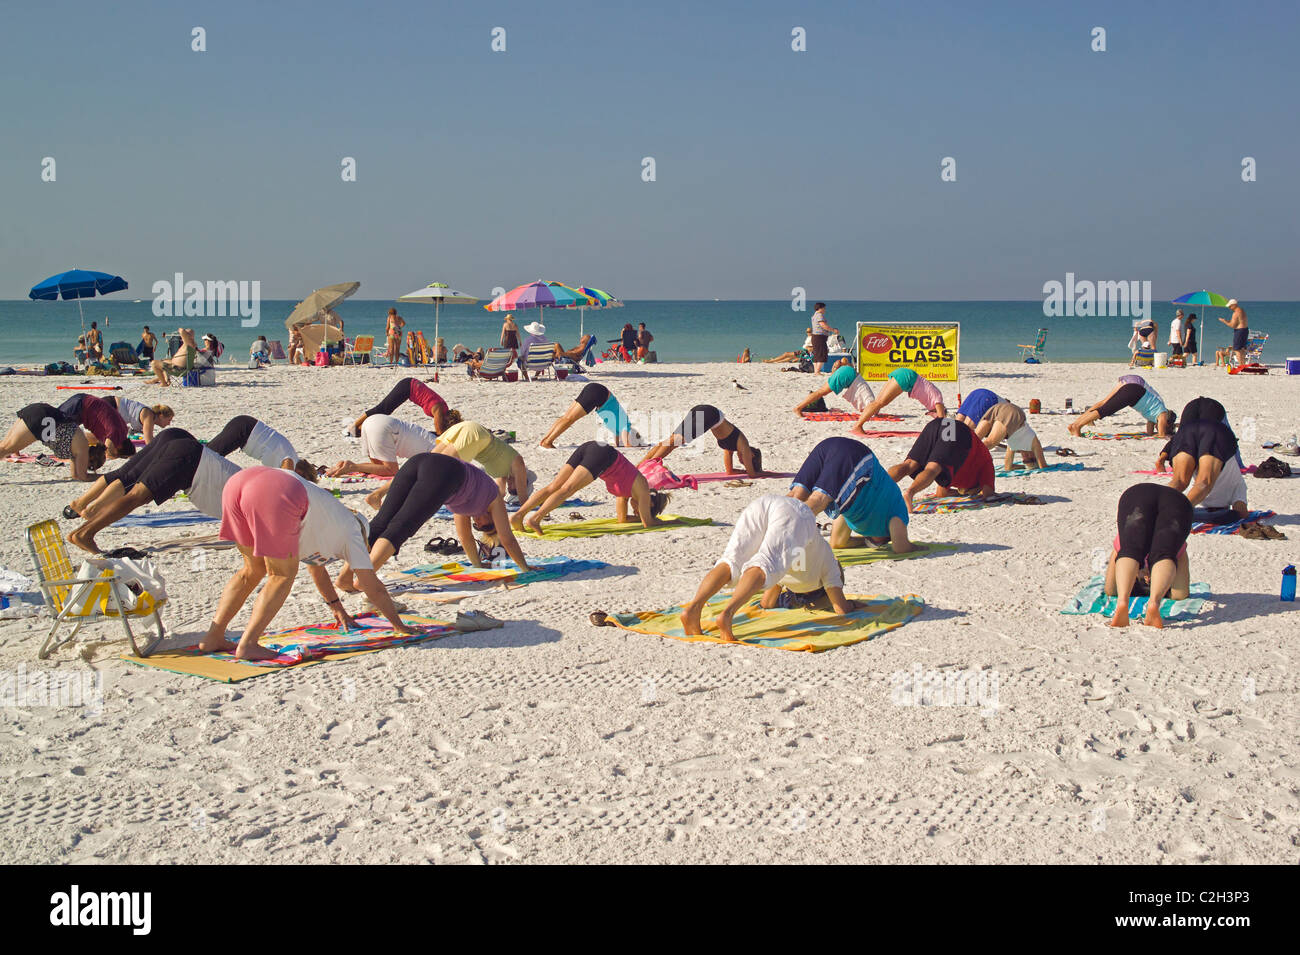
949,455
101,419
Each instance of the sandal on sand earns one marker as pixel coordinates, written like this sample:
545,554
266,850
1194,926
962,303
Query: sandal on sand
1253,532
1272,533
443,545
473,620
1028,499
739,484
132,552
70,514
599,618
1067,452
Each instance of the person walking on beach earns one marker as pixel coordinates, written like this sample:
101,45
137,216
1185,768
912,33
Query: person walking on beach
821,330
1176,335
1190,348
394,335
1240,331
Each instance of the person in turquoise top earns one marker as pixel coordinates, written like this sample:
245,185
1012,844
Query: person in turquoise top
845,382
597,398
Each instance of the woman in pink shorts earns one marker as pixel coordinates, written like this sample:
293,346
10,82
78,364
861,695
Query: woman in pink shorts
262,511
590,461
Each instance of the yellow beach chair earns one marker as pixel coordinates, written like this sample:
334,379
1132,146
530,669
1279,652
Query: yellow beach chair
61,589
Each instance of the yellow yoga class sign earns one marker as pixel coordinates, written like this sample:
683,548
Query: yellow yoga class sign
929,349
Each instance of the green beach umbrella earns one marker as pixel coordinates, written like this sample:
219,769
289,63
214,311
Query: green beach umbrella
1205,300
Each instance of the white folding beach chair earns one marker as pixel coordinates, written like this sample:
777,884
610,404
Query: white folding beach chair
495,364
64,593
539,361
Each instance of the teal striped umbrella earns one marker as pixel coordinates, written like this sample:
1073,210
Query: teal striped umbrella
1205,300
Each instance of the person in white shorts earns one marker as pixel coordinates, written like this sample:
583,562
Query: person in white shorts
262,443
775,545
386,441
1025,443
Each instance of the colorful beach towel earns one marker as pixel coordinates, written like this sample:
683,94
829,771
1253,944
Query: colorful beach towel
433,578
610,525
300,646
845,416
1022,472
1203,527
890,434
1120,435
164,519
953,505
805,630
739,475
851,556
1092,599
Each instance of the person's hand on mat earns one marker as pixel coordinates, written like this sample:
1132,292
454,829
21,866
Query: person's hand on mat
342,617
343,467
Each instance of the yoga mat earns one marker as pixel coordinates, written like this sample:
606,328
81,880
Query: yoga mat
164,519
22,457
852,556
953,505
610,525
205,541
298,647
1204,527
739,475
1022,472
890,434
445,514
805,630
1249,469
845,416
87,387
432,578
1091,599
1120,435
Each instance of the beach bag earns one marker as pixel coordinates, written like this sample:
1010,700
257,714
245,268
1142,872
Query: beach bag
145,587
805,365
322,359
818,405
1273,468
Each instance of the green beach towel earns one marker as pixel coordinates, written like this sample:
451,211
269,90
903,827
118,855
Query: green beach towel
610,525
1091,599
852,556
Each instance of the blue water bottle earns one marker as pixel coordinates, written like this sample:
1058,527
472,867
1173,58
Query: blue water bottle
1288,582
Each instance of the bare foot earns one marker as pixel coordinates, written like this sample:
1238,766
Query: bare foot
347,583
535,524
254,652
1120,620
375,499
690,618
545,444
86,542
1152,617
1077,432
517,523
211,644
724,626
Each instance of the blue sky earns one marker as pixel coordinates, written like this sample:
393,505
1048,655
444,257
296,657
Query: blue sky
775,169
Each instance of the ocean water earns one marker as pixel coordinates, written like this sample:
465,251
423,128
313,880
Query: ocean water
41,332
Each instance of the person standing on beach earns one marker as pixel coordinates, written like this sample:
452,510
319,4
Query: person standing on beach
510,336
821,330
1190,348
643,340
148,342
1176,335
394,335
1240,330
95,343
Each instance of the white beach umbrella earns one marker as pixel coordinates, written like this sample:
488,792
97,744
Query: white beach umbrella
439,293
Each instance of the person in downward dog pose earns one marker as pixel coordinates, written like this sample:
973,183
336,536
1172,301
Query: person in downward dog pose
1131,392
948,454
142,418
730,439
590,461
844,381
426,483
901,380
278,520
1154,523
774,545
174,462
262,443
974,406
385,441
846,480
595,397
63,436
420,395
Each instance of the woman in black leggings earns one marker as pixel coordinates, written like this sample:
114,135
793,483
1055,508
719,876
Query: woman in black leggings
422,485
420,395
595,397
730,439
1154,523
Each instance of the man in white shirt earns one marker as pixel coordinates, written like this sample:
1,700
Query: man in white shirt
1176,334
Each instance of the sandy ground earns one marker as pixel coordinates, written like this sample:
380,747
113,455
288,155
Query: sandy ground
554,741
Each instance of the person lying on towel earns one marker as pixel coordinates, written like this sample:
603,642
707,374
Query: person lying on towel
774,547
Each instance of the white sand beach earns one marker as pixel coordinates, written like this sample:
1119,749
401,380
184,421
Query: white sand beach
552,740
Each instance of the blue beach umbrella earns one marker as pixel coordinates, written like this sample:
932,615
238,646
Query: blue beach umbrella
1205,300
78,284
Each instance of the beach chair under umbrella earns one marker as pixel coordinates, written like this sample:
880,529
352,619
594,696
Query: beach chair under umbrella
439,293
1205,300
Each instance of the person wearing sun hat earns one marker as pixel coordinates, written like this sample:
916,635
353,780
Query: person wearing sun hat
536,333
1240,330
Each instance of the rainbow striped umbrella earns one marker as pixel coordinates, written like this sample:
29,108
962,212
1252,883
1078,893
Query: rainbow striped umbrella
600,298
